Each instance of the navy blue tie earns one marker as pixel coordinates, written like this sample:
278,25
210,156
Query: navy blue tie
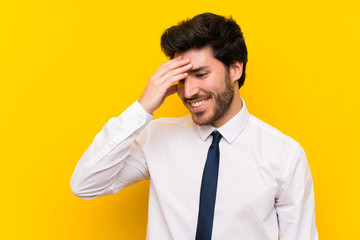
208,190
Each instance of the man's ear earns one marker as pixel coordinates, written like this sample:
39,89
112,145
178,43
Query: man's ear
236,70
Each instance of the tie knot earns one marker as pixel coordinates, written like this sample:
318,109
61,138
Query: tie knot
216,137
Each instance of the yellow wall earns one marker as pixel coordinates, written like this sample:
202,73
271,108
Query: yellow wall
66,67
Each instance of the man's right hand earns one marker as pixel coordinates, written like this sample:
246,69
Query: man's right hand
162,83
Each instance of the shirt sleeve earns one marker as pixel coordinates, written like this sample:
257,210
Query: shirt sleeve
114,160
295,202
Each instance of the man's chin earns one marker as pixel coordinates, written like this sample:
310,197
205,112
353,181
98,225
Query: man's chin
200,119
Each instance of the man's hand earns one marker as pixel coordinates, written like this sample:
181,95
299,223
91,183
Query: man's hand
161,84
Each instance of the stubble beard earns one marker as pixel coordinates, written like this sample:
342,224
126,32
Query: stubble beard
222,101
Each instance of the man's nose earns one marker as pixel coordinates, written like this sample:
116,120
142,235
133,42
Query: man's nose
190,87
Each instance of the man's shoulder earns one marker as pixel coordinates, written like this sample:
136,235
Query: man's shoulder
271,133
168,123
164,129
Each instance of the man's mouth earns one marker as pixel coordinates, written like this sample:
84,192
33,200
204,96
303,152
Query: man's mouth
197,103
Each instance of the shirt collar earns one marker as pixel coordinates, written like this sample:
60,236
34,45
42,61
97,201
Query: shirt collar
229,130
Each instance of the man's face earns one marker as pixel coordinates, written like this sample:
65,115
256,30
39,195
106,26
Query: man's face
207,91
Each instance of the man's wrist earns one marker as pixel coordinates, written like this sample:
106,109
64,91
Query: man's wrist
144,110
145,107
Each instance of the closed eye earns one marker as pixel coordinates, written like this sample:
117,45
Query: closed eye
201,75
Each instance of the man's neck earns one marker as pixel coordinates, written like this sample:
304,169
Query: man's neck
235,107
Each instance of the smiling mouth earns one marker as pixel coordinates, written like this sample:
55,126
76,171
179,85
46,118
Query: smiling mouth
197,104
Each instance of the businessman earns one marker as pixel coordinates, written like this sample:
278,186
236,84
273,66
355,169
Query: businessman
218,173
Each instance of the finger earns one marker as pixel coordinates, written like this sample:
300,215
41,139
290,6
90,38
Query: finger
177,71
167,68
167,63
178,58
173,79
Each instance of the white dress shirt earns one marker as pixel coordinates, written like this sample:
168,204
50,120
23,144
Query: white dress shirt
265,188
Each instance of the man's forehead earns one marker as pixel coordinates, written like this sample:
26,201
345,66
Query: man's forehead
202,59
204,51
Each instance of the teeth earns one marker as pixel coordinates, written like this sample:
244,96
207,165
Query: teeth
197,104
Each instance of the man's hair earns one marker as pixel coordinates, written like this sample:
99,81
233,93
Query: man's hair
222,34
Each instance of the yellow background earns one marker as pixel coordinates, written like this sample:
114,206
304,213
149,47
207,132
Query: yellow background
66,67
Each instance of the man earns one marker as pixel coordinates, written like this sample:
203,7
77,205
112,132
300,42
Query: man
219,173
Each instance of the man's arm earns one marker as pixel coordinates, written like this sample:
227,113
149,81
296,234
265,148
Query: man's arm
115,160
295,204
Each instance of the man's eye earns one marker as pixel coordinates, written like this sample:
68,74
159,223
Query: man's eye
201,75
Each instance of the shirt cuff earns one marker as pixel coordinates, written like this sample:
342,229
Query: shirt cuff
136,112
